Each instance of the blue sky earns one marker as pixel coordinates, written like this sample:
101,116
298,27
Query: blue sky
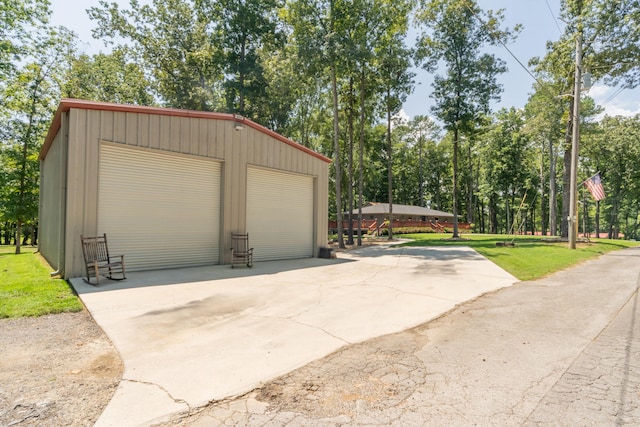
538,17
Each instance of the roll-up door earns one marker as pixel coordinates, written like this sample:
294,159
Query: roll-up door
159,210
279,214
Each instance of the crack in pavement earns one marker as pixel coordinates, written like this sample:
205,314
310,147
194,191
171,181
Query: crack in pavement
159,387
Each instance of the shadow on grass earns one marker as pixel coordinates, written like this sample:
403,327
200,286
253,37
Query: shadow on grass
417,251
492,241
478,241
11,250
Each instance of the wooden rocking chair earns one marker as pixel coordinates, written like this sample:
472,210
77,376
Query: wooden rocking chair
241,253
98,261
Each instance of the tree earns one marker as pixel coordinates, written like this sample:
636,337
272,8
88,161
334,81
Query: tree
610,45
319,27
241,30
457,30
506,163
544,114
393,59
294,101
107,78
29,99
612,150
422,129
17,19
172,41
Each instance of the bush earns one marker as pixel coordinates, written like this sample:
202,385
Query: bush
408,230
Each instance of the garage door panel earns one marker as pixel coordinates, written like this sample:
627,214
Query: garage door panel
160,210
279,214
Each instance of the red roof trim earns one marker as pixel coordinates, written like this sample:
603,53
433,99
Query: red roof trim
67,104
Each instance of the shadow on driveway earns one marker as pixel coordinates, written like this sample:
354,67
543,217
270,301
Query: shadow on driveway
193,335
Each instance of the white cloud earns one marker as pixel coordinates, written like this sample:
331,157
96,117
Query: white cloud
599,92
616,102
402,116
612,109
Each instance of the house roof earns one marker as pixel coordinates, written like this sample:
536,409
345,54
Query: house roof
383,208
67,104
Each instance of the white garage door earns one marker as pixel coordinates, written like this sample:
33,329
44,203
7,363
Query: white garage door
159,210
279,214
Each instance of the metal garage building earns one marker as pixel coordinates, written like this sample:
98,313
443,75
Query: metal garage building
170,186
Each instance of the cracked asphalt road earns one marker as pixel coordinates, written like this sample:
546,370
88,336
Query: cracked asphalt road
564,350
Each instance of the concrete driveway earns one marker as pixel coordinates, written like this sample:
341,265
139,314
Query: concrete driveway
191,336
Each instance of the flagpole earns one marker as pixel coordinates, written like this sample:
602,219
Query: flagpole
589,178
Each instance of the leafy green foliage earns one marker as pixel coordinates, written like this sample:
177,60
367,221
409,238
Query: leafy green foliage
242,30
172,41
107,78
29,99
612,150
16,18
330,74
457,30
506,155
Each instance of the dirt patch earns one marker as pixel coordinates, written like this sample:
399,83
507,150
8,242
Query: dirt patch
55,370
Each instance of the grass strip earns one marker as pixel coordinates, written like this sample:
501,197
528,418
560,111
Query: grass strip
531,257
26,288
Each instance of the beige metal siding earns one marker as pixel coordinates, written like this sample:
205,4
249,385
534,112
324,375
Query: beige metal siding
201,137
279,214
158,209
52,198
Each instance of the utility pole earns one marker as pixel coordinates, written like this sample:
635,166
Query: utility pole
575,142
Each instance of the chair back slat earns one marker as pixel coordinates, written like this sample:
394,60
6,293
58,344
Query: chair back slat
241,252
240,242
95,249
97,259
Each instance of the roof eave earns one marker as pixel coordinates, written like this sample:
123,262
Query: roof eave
67,104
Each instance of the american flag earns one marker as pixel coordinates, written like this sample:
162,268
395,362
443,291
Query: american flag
594,184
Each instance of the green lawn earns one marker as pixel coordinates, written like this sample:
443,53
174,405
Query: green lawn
531,257
26,288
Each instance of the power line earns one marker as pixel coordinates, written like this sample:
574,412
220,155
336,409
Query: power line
612,96
555,20
507,49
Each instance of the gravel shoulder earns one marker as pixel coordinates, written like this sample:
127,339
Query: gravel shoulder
55,370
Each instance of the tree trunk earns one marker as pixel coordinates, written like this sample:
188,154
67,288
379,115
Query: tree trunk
18,233
390,166
350,159
23,161
543,222
597,219
470,187
361,153
613,232
585,218
493,214
336,160
420,171
455,184
533,220
437,196
241,77
508,213
553,202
